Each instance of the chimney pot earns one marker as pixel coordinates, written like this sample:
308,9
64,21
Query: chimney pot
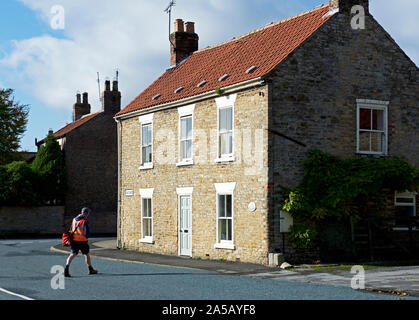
190,27
115,85
107,85
85,98
179,26
78,98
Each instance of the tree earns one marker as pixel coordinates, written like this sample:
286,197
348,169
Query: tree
18,186
49,166
13,120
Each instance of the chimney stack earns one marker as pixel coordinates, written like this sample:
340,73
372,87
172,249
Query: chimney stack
111,100
81,108
345,6
183,41
85,98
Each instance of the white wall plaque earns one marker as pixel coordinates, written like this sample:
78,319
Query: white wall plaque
251,207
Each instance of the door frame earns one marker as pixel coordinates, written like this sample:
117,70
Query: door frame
182,192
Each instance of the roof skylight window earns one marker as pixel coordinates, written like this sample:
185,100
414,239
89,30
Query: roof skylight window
251,69
201,84
156,96
222,78
178,90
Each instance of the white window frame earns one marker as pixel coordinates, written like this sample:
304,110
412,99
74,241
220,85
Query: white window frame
224,103
406,195
223,189
144,121
184,191
147,194
373,105
184,112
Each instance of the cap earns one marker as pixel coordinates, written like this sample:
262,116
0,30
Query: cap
85,210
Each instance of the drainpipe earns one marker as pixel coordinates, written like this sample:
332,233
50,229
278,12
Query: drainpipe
119,224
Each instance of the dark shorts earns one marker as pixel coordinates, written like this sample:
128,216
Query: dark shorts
77,246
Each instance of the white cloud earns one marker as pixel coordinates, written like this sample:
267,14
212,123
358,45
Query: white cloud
132,35
100,36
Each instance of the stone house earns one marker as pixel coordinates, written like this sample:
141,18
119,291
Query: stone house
205,149
90,150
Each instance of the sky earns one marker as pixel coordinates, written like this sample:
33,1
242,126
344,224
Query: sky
52,49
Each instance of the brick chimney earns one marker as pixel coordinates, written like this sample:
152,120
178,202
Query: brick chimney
81,108
184,41
111,99
345,6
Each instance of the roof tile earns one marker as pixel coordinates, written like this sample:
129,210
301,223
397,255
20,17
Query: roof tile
63,131
265,48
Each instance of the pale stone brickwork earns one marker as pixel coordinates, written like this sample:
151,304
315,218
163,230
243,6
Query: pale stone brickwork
250,228
314,100
310,100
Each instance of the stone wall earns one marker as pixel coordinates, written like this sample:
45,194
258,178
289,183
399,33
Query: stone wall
313,95
31,220
250,228
91,165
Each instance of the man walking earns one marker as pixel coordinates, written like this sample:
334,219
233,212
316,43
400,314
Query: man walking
80,227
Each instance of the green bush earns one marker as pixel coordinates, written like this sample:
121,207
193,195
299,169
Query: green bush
19,185
331,187
49,166
302,236
42,183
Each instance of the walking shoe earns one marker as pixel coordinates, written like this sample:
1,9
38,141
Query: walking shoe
92,271
67,273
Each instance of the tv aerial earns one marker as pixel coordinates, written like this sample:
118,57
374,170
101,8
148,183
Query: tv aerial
168,10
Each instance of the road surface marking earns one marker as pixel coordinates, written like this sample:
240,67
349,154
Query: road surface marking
15,294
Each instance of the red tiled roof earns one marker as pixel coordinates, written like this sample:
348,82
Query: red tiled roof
264,48
74,125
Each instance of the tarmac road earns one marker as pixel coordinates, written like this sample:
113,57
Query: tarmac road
26,265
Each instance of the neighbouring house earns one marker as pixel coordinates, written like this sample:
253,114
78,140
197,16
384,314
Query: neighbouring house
90,148
206,148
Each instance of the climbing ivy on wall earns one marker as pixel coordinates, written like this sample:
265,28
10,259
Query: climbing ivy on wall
334,188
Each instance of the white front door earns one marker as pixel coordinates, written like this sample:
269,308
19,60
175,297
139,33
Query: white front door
185,230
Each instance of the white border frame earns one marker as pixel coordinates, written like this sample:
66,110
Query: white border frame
184,191
222,103
377,105
225,189
187,111
145,120
406,194
147,194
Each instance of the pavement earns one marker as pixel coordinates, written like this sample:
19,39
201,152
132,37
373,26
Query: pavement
401,281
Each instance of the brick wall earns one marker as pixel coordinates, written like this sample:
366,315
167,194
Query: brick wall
31,220
91,165
314,92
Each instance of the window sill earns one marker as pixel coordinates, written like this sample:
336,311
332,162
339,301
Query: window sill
225,159
147,240
146,166
184,163
224,245
366,153
404,229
